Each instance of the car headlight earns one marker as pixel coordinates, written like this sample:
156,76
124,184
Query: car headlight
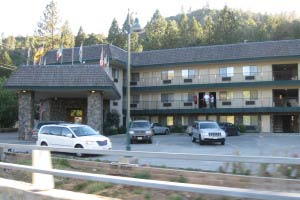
90,142
149,132
131,132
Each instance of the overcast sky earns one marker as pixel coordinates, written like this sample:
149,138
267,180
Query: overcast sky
20,17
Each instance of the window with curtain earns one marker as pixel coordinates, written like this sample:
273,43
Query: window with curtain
167,98
135,77
115,73
187,97
250,94
135,99
226,72
225,96
167,75
250,70
188,73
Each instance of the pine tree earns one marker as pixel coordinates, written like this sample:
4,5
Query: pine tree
195,33
183,25
49,24
80,37
135,46
208,31
171,36
155,32
68,38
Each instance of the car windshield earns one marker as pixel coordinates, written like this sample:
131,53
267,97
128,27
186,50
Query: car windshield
208,125
84,131
139,125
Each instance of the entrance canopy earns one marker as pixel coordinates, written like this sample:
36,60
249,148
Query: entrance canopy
63,81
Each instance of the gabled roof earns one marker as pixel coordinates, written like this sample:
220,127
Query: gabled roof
189,55
218,53
89,53
62,78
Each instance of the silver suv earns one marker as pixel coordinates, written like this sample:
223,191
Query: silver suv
140,130
207,131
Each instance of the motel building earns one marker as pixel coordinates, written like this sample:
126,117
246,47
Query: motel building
255,84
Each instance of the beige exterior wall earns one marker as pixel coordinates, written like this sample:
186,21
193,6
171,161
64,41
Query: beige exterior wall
265,124
119,86
210,73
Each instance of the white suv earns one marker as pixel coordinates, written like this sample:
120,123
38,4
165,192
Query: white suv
207,131
72,136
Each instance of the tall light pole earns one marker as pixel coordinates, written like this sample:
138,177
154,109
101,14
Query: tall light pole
135,28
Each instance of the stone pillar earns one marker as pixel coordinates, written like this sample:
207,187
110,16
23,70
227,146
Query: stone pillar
26,100
95,111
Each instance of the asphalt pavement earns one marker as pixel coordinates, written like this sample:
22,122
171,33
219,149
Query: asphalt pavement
250,144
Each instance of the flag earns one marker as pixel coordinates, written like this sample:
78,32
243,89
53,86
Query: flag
80,54
59,52
38,54
101,59
106,63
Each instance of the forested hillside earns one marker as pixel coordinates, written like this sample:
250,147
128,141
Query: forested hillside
200,27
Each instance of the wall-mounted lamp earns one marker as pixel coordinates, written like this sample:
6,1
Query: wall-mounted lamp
24,91
93,91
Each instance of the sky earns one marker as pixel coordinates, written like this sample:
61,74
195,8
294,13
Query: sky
20,17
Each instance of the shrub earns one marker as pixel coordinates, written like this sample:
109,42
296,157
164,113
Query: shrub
142,175
241,128
177,129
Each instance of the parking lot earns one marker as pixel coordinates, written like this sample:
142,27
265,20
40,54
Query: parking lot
247,145
251,144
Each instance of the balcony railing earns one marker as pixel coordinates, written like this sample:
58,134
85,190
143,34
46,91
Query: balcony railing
219,103
216,78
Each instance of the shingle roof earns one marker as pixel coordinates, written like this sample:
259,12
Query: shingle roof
207,54
62,77
200,54
88,53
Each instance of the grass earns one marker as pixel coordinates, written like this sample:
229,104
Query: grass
180,179
142,175
175,197
95,187
60,163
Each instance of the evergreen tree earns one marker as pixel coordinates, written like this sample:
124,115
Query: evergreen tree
183,25
5,58
68,38
93,39
155,32
135,46
171,37
80,37
10,42
195,32
49,24
208,31
226,27
1,42
115,35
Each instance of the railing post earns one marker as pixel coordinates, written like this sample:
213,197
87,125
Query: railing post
42,159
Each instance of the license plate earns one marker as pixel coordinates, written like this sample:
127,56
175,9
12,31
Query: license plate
140,138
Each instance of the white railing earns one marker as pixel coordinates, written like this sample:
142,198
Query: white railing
202,189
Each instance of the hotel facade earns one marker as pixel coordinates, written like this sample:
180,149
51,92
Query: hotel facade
253,84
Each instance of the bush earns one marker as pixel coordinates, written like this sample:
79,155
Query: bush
121,130
177,129
241,128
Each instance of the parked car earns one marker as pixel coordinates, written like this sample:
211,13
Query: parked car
38,125
159,129
229,128
140,130
207,131
189,130
72,136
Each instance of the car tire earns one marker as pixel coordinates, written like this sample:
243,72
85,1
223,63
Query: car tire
201,142
167,132
193,139
78,146
223,142
44,144
150,141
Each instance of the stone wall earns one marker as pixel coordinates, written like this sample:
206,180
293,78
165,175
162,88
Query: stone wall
26,100
95,111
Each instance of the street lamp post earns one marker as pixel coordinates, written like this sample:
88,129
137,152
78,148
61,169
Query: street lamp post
135,28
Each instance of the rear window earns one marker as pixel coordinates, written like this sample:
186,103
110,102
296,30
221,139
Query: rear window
208,125
139,125
39,125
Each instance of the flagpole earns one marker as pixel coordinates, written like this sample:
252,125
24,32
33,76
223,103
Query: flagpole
72,55
62,55
28,56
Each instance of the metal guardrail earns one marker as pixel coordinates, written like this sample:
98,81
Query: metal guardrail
185,187
164,155
202,189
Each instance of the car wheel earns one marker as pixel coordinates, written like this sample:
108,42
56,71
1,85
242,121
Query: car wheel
44,144
78,146
167,132
223,142
150,141
201,142
193,139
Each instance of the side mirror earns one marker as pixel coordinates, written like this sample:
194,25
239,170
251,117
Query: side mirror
69,135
